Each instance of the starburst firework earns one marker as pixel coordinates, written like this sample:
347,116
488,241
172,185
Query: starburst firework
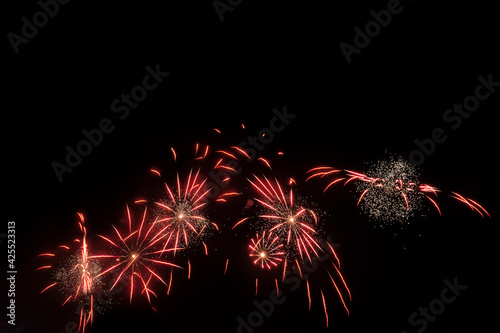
182,213
182,210
266,250
137,257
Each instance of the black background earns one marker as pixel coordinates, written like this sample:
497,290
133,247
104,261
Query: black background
262,56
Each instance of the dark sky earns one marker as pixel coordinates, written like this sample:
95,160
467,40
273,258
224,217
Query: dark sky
260,57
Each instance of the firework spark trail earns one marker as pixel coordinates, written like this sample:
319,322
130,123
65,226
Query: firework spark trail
308,295
471,203
343,282
137,258
390,190
265,162
240,222
78,277
324,307
339,293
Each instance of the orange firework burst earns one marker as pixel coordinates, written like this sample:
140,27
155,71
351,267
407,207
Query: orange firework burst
76,275
137,257
266,250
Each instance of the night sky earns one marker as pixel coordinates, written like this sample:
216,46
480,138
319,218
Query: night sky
236,65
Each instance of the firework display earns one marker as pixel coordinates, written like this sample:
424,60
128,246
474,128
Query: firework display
286,229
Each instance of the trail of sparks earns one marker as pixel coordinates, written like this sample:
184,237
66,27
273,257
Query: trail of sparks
339,293
343,281
173,153
241,151
324,307
48,287
240,222
169,282
308,294
265,162
471,203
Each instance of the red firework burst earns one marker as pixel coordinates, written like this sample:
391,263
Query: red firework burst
288,219
137,256
266,250
182,213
